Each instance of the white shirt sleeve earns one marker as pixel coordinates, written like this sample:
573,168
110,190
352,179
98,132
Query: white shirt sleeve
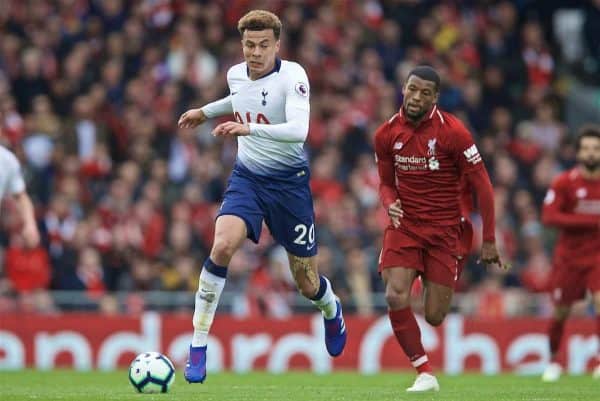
297,112
16,183
218,108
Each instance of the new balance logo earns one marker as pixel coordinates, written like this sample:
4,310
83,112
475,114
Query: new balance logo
398,145
207,296
472,154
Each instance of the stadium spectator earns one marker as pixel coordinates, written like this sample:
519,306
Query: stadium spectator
90,93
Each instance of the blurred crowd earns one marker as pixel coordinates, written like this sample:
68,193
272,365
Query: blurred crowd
90,92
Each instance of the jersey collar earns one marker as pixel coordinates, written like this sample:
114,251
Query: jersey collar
430,116
275,69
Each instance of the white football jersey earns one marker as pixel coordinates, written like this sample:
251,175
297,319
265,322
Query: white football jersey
11,178
276,107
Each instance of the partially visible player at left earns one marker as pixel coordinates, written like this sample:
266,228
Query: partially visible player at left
13,184
269,99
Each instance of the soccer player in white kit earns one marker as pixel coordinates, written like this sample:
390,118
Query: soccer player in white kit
13,184
269,99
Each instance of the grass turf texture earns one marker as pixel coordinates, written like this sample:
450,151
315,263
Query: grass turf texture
77,386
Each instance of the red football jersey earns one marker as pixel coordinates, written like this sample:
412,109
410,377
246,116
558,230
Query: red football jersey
427,163
572,204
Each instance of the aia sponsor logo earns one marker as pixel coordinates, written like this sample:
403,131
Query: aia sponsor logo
260,118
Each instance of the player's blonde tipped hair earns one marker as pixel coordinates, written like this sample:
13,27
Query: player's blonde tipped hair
258,20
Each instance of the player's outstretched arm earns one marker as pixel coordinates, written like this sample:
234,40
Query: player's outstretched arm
194,117
191,118
30,231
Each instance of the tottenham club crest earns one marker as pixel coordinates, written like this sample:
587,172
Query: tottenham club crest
264,94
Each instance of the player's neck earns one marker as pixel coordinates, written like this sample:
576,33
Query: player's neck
267,71
413,121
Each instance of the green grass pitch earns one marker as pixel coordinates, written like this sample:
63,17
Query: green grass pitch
95,386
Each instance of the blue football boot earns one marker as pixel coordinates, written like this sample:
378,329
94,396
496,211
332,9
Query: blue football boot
335,332
195,367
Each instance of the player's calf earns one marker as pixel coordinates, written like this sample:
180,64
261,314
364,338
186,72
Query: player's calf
435,318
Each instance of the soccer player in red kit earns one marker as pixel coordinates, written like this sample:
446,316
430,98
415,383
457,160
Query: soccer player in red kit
425,158
572,205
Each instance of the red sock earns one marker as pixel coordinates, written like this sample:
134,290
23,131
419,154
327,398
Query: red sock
408,335
557,328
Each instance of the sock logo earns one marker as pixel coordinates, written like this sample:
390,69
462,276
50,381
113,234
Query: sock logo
208,296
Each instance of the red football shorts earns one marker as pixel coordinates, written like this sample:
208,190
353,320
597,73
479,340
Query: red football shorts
568,283
438,253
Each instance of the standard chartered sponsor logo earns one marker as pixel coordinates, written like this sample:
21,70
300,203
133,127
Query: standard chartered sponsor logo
411,163
411,159
588,206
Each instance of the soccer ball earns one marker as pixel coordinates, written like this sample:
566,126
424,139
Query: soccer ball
151,372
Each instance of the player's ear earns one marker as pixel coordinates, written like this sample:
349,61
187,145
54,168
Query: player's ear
277,45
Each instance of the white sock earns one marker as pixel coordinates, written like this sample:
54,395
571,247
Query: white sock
327,302
209,291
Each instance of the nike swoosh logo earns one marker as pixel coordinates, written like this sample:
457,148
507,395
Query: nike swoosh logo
233,93
308,248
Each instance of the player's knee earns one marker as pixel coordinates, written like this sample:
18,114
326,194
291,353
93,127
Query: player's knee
397,298
435,318
223,249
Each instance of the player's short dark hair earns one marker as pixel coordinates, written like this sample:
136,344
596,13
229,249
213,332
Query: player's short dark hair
587,131
427,73
259,20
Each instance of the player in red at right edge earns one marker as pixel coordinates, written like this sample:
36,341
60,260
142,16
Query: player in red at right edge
572,205
425,158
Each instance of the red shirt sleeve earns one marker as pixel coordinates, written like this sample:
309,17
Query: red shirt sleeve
385,166
470,166
553,211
